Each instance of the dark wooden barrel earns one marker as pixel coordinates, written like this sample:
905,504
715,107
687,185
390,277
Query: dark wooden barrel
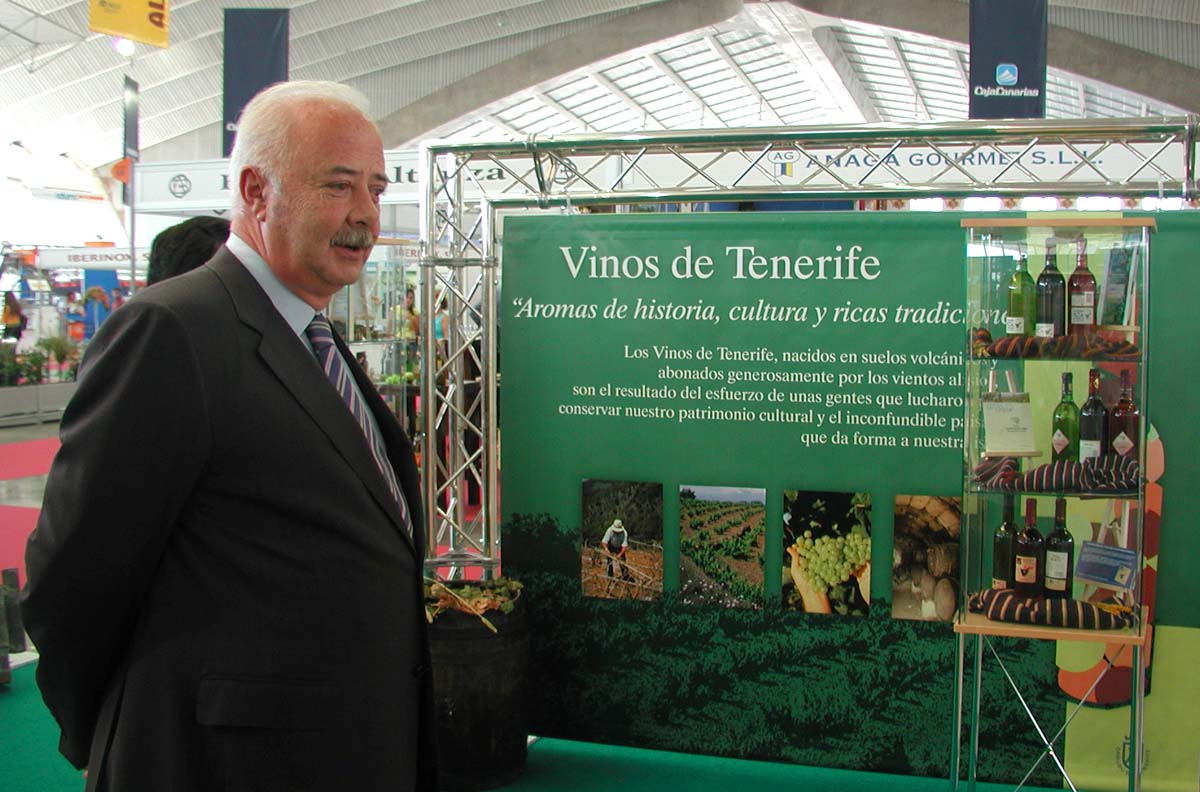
479,691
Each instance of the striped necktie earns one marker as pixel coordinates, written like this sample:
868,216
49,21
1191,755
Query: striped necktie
321,335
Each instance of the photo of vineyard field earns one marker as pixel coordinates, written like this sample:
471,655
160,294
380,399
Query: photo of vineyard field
635,570
722,533
827,552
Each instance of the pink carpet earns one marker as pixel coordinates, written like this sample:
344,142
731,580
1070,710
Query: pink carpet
30,458
16,523
21,460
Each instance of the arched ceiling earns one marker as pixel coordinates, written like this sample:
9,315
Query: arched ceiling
489,68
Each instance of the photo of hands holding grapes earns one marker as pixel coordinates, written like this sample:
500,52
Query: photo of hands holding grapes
827,552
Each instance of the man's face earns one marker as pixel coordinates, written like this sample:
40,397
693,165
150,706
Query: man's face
322,212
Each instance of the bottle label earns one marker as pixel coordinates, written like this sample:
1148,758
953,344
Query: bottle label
1014,325
1083,315
1083,299
1122,444
999,583
1044,329
1089,449
1060,441
1056,584
1056,569
1026,569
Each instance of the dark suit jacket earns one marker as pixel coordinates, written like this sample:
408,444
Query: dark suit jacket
219,584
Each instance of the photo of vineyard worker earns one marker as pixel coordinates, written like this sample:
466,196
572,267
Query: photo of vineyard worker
827,552
925,557
614,544
621,556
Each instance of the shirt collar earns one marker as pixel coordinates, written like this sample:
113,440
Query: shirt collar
294,311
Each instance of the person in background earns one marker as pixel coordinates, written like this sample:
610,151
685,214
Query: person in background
252,617
118,299
185,246
14,317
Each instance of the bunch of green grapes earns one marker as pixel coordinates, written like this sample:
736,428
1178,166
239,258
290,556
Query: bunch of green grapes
831,560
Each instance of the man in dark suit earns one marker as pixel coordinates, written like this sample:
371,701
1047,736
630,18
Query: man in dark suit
225,581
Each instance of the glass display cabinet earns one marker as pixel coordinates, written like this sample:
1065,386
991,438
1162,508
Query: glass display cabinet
1055,451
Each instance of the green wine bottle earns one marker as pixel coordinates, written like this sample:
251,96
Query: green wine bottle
1064,433
1003,540
1022,301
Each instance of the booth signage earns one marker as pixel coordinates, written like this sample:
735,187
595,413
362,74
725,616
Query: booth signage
256,56
1008,58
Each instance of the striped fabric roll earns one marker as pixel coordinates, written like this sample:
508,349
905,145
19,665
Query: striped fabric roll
1005,605
1109,473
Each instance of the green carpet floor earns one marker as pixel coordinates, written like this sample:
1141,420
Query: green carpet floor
29,762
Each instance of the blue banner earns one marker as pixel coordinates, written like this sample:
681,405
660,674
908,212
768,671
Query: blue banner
1008,59
256,55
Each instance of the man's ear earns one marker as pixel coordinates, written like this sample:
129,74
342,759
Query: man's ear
254,189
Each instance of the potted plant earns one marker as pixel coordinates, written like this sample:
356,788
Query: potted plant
479,644
60,349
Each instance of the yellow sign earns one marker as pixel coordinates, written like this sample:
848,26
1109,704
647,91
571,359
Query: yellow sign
146,21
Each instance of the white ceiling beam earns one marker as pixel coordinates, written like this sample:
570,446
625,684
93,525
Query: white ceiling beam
660,66
625,99
922,110
562,110
500,123
956,57
763,104
818,58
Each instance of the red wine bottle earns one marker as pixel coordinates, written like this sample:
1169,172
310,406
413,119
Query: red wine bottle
1003,540
1081,294
1093,422
1060,555
1029,556
1124,421
1051,298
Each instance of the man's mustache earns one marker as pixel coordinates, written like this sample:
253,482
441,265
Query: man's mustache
353,238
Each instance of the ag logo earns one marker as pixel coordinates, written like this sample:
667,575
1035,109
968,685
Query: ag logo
1006,74
180,185
783,161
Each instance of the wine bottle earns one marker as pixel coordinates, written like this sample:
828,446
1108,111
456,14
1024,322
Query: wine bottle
1022,300
1051,318
1060,555
1002,546
1093,421
1064,432
1081,294
1124,421
1029,554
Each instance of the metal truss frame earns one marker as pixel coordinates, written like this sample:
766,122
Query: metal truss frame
460,213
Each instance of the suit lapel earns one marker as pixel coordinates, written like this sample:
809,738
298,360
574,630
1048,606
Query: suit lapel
298,372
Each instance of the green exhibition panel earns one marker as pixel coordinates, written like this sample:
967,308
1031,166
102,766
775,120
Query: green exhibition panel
772,405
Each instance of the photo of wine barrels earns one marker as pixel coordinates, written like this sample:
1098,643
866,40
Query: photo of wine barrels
722,533
827,552
925,579
621,556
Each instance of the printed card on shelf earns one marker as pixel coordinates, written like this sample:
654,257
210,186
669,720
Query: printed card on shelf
1107,566
1008,425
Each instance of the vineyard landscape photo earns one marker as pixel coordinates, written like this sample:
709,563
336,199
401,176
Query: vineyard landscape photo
721,540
